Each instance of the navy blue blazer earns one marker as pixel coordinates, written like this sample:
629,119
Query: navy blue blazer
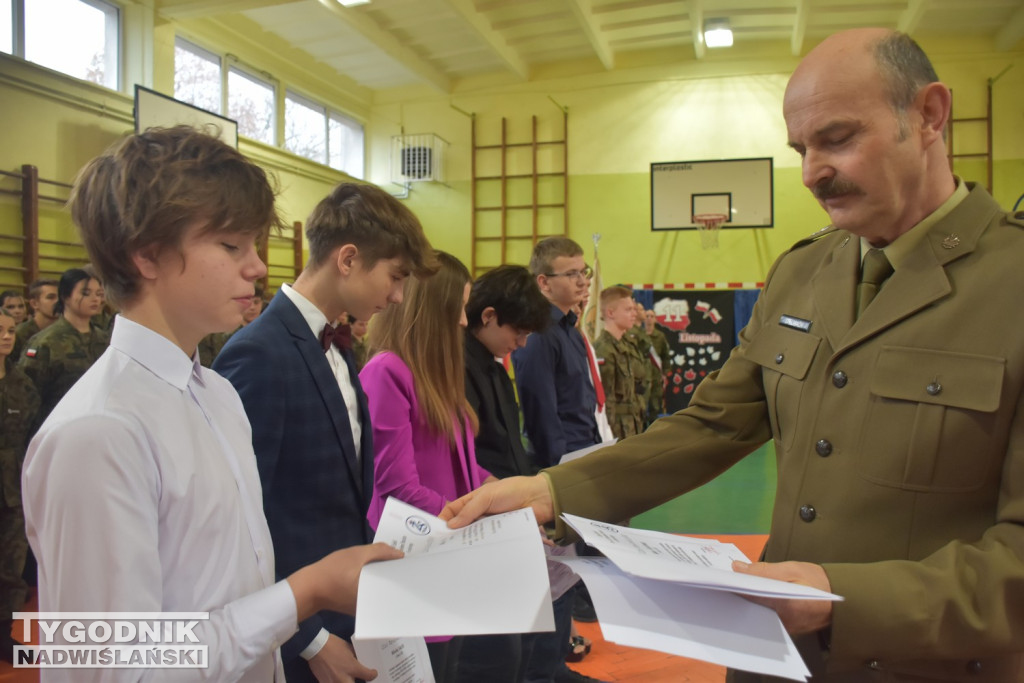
315,492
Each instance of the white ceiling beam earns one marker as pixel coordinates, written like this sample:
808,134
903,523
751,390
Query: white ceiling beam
389,44
911,17
584,13
697,28
195,9
1011,34
796,40
513,60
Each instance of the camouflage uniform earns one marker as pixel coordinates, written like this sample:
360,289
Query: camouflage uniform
210,346
637,336
104,320
19,404
55,358
359,351
622,373
23,332
656,403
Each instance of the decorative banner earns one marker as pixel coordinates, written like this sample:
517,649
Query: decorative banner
700,329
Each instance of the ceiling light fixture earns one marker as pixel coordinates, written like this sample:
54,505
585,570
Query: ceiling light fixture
717,33
353,3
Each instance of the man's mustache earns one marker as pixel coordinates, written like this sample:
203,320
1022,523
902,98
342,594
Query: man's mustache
834,187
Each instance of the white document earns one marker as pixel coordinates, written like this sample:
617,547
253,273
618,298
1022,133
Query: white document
712,626
697,562
576,455
397,660
488,577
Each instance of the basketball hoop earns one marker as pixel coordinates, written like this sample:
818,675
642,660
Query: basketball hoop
708,225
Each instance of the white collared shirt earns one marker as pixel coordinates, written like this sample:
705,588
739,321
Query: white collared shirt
316,320
141,493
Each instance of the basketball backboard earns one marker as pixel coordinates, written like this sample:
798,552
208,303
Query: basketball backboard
739,188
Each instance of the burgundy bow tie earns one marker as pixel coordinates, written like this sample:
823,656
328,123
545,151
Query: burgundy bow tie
340,336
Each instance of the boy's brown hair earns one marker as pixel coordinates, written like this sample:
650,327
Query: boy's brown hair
550,248
610,295
379,225
148,189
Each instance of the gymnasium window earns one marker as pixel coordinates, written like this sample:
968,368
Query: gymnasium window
327,137
251,102
79,38
197,76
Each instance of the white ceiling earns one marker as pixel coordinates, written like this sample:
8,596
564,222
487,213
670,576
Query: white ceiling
395,43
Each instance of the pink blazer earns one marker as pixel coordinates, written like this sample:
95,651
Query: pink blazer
410,462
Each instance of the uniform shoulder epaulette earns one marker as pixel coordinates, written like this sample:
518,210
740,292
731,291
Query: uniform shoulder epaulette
827,230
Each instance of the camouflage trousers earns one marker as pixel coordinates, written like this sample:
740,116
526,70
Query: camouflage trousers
13,549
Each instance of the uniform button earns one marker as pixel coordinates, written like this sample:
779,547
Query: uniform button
839,379
974,666
934,389
779,358
808,513
823,448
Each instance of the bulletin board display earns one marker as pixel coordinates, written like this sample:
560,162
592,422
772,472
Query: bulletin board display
153,109
740,189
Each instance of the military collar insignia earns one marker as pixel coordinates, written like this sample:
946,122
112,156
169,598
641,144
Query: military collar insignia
950,241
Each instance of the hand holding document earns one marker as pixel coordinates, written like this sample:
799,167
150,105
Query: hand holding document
678,595
701,563
488,577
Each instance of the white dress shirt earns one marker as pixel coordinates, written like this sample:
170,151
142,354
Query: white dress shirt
141,494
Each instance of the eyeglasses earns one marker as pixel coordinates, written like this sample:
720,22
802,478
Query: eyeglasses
574,274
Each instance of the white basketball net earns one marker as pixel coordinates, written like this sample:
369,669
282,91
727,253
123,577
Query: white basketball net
708,225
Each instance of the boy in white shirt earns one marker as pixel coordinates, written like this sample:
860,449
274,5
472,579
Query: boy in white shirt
140,490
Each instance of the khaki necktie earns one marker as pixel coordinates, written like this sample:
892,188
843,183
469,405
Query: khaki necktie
874,271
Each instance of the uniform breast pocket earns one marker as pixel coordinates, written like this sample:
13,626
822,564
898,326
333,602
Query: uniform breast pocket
785,355
931,423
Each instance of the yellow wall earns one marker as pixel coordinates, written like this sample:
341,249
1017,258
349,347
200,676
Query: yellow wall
619,123
657,106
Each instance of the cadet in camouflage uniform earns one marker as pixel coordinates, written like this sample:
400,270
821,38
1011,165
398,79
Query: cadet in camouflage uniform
42,299
637,336
623,370
55,358
656,402
19,403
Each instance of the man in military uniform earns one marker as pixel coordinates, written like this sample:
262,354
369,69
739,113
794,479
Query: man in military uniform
879,362
623,370
42,298
19,403
661,357
638,337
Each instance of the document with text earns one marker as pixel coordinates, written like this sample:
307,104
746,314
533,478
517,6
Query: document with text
712,626
488,577
397,660
697,562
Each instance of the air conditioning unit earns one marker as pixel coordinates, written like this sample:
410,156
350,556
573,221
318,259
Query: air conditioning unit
415,158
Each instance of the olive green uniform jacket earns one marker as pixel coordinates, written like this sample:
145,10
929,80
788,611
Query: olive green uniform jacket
57,357
900,447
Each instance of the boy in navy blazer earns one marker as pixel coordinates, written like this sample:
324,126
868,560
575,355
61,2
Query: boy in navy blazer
298,381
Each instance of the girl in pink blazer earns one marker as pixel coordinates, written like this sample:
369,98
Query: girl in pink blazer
423,427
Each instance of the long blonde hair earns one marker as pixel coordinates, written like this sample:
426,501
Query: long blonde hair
424,332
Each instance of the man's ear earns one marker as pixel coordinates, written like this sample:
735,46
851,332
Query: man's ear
146,261
488,315
933,104
345,258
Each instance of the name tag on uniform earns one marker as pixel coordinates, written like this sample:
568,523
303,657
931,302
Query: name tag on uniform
795,323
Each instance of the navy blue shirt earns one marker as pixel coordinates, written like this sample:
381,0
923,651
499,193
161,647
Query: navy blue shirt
555,391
